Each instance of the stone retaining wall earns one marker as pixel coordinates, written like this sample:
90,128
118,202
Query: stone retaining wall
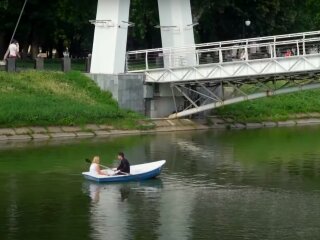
161,125
91,130
219,123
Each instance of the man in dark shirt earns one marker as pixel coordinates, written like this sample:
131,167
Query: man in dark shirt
124,166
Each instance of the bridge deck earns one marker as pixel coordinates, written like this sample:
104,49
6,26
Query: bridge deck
291,54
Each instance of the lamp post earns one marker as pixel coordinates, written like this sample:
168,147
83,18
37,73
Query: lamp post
247,24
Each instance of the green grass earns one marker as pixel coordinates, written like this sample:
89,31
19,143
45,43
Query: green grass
276,108
46,98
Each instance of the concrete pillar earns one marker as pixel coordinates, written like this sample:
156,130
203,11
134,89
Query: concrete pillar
66,64
88,64
39,63
126,89
11,65
110,37
177,31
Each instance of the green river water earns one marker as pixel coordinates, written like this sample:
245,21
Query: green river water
252,184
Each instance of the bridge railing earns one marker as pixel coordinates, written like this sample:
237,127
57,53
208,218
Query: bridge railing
222,52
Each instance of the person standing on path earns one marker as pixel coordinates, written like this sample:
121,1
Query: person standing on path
13,50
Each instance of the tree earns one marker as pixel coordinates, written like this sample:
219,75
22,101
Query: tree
62,24
144,14
72,27
3,27
224,20
3,4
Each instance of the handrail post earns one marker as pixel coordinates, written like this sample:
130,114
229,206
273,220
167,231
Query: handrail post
127,62
197,57
147,63
298,48
220,53
304,44
271,51
246,52
274,48
170,60
220,56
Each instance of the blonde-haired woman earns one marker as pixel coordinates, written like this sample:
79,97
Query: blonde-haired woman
95,166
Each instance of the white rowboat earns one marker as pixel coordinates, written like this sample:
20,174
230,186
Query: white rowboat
137,173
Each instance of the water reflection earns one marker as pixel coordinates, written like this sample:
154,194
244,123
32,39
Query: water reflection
117,209
114,207
94,190
124,192
261,184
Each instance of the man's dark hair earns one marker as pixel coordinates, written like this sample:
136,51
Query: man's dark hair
121,154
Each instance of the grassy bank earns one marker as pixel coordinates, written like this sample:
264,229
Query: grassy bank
45,98
276,108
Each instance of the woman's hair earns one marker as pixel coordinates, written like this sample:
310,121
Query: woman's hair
96,159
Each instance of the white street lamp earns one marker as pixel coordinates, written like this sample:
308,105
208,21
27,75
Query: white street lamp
247,24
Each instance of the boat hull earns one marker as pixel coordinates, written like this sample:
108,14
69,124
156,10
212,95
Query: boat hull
151,173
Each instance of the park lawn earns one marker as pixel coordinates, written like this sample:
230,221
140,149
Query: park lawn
43,98
276,108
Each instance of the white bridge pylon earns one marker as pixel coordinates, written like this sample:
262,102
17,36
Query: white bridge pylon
224,71
111,30
110,36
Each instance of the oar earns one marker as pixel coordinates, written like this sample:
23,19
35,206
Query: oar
88,161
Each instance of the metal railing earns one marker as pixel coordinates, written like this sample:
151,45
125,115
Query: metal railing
271,47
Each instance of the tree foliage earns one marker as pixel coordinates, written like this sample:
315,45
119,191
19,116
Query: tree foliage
53,24
3,4
64,23
225,19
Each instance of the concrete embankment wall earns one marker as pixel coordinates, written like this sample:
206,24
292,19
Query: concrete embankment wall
131,92
126,89
27,134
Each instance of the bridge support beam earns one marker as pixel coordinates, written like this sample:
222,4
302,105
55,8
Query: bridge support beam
202,97
177,31
110,37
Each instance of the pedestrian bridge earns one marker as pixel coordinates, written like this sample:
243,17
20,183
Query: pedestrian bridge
210,75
